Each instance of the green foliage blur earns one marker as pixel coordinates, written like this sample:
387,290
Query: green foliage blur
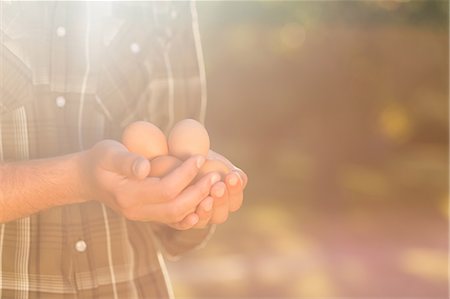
434,12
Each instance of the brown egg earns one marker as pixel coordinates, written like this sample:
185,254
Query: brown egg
162,165
213,165
187,138
145,139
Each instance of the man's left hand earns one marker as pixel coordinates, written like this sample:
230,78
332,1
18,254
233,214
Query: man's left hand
225,197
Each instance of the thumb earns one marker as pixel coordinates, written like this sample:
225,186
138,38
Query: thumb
131,165
140,168
116,158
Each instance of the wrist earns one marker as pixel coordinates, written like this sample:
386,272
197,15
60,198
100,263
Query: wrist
82,182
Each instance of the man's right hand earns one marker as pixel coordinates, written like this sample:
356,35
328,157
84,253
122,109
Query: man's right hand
113,175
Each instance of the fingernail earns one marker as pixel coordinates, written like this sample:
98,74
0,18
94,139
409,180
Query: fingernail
240,176
208,206
194,219
139,167
136,167
233,180
220,192
215,178
200,161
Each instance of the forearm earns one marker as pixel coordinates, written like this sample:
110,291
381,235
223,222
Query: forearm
31,186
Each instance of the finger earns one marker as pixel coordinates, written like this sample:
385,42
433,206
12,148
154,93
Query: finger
204,209
175,210
199,219
235,191
204,212
188,222
178,179
194,194
242,175
218,191
230,165
221,203
140,168
220,214
116,158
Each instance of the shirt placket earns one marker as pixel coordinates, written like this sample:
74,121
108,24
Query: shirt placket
83,273
58,58
75,260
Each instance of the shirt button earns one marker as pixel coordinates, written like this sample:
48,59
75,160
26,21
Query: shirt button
61,31
81,246
135,48
60,101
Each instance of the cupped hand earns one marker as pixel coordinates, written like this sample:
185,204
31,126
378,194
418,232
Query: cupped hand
119,179
225,196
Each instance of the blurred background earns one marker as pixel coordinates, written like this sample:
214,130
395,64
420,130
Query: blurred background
338,112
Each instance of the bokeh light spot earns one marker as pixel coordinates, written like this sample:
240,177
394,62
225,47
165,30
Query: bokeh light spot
242,37
395,123
363,180
429,264
292,36
315,284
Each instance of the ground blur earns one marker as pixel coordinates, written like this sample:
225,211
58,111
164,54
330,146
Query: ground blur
338,112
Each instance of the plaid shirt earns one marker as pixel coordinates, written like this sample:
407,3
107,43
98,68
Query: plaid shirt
71,74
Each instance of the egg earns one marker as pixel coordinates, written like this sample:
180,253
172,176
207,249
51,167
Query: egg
162,165
212,165
145,139
187,138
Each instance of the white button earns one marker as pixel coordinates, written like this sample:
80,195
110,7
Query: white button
81,246
61,31
173,14
60,101
135,48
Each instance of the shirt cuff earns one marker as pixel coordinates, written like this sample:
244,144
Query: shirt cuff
177,242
